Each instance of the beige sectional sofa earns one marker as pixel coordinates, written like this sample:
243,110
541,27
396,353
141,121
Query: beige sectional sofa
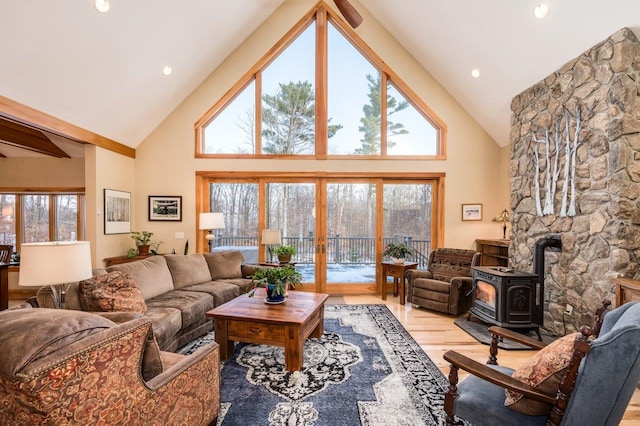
178,290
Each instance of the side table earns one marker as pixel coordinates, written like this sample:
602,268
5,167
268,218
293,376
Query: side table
397,271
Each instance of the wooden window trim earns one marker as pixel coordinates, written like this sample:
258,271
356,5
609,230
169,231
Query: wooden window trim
322,15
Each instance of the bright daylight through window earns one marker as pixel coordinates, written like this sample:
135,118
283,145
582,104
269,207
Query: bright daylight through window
368,112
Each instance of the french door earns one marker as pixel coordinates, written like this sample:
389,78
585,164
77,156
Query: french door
338,224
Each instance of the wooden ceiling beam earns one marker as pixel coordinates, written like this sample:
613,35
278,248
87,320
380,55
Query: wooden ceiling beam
17,112
33,140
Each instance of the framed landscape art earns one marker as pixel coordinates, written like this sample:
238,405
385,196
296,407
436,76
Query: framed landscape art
472,212
165,208
117,212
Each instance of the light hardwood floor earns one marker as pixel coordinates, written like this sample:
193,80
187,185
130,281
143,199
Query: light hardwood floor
436,333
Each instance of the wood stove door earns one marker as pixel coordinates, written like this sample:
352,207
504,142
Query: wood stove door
520,304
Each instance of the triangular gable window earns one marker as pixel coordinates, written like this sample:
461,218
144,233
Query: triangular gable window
366,112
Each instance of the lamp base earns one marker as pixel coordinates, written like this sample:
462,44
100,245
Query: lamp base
58,293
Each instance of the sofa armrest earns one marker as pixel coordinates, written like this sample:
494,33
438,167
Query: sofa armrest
249,269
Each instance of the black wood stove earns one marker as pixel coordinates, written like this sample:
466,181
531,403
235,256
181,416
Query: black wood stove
512,299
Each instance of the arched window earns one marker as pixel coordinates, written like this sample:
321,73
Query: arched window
320,93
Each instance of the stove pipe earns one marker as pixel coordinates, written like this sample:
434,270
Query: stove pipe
552,242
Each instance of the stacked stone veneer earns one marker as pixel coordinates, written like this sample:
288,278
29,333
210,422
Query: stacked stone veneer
602,241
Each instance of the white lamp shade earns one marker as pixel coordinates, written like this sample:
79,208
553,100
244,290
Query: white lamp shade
271,236
54,263
211,221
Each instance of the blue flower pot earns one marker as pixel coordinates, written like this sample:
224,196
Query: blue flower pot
272,296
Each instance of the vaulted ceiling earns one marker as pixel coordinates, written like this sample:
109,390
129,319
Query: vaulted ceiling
103,72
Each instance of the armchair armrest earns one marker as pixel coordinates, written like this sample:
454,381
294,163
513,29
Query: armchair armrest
418,273
517,337
498,378
460,282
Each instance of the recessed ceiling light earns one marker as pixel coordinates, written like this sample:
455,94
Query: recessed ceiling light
541,10
102,5
167,70
475,73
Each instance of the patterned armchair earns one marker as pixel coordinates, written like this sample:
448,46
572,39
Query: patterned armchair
446,284
69,367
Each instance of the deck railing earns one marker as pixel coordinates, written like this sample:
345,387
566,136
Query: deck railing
340,250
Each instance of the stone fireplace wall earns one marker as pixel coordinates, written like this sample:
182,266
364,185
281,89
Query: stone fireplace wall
602,240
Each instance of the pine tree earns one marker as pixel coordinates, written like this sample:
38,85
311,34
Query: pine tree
371,122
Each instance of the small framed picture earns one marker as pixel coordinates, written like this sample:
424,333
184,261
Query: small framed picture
117,212
472,212
165,208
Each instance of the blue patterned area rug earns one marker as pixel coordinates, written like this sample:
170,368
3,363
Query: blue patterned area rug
365,370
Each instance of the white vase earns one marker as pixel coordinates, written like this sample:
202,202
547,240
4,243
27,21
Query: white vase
397,259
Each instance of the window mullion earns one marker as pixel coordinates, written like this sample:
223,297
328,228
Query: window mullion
53,217
258,123
383,114
322,119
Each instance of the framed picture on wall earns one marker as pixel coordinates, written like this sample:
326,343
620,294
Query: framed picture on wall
165,208
117,212
472,212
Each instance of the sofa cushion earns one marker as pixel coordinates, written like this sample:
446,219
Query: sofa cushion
166,323
243,283
114,291
187,270
220,291
151,274
544,371
30,334
225,264
192,305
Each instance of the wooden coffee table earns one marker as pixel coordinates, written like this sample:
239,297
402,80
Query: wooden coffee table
289,324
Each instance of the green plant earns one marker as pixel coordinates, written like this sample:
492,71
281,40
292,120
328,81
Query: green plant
142,238
131,253
155,245
398,250
280,277
285,250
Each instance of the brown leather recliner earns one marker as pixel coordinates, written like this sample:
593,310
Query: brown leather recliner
446,284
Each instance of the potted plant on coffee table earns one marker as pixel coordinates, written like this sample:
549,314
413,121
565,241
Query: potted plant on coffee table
284,252
276,281
398,251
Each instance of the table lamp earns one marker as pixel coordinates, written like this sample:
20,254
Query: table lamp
210,221
503,218
57,264
269,237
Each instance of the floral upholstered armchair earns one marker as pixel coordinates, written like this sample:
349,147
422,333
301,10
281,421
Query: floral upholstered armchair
69,367
446,284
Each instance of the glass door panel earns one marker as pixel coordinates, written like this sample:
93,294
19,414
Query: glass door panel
291,209
408,217
238,203
351,233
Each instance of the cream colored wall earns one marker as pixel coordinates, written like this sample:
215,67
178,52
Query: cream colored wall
165,163
112,171
41,172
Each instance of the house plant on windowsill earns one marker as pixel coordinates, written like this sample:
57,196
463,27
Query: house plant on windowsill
284,252
398,251
276,281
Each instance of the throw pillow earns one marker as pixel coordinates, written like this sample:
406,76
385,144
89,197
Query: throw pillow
544,372
112,292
